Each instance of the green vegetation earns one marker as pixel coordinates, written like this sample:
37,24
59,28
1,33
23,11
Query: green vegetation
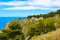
50,14
34,27
54,35
13,31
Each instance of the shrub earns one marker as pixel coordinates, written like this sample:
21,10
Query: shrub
3,36
14,25
14,29
49,24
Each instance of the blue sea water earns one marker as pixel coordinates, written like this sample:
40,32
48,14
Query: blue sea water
5,20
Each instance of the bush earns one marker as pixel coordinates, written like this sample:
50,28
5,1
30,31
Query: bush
14,29
14,25
3,36
49,24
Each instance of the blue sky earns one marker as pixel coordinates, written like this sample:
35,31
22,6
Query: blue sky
23,8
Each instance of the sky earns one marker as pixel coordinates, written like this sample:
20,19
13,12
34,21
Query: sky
23,8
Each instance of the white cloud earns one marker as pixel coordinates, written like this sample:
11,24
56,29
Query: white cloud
32,4
47,3
30,8
21,8
13,3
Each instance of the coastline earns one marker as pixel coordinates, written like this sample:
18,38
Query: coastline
5,20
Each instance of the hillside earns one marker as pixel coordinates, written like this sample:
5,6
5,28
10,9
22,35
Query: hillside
54,35
33,28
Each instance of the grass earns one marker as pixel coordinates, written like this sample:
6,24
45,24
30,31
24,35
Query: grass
54,35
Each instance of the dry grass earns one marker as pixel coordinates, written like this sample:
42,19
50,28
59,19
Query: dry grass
55,35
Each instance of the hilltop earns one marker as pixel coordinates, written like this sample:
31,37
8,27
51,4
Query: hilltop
50,14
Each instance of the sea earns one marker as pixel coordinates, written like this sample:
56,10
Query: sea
5,20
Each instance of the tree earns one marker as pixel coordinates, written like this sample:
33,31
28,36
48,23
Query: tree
14,25
14,29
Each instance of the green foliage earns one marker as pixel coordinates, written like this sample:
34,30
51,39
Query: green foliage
58,12
14,31
42,27
49,24
14,25
20,29
36,29
3,36
50,14
39,27
57,23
